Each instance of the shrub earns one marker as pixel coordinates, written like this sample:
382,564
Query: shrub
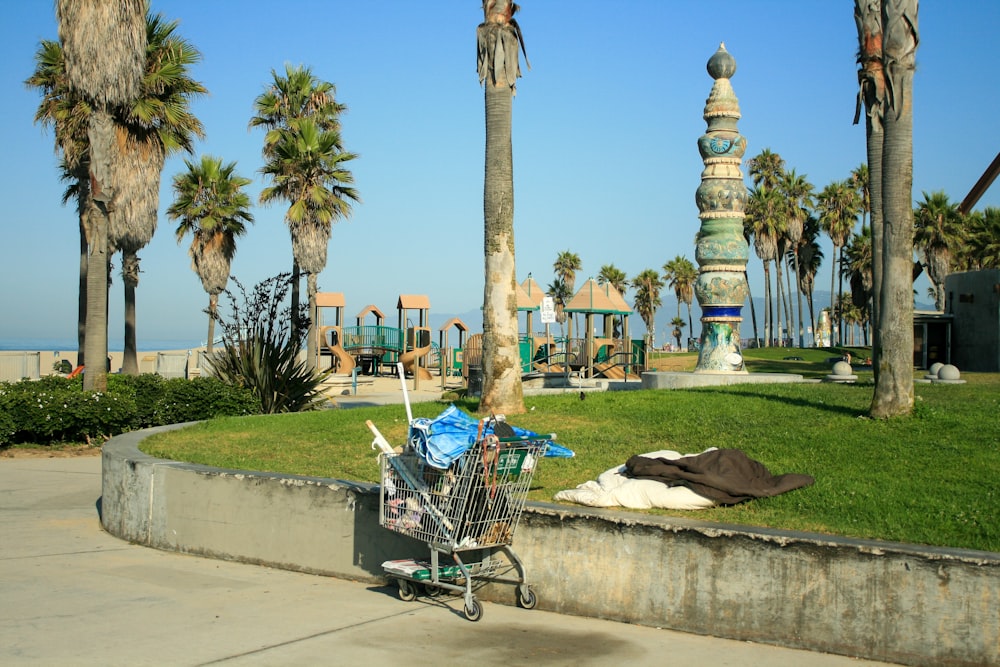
261,350
202,398
56,409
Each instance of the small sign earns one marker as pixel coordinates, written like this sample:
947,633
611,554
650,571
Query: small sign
548,310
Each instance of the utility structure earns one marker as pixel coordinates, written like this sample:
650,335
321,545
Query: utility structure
721,250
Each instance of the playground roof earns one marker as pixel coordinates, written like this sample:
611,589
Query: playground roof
535,292
595,298
525,302
413,302
454,322
370,308
330,299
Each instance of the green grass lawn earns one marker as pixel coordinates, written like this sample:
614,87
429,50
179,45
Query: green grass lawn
933,478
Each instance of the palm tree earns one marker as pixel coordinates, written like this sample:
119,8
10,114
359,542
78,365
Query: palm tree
939,233
678,325
764,222
680,275
68,116
871,93
810,259
982,249
838,207
499,43
766,169
158,123
211,205
308,171
612,275
561,295
104,48
295,95
647,299
566,265
894,384
798,193
858,271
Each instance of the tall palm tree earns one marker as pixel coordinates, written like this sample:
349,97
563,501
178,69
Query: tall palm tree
211,205
68,115
647,299
894,384
938,234
871,93
798,194
308,171
680,274
156,124
764,223
678,326
296,94
858,271
499,45
104,47
810,259
566,265
838,207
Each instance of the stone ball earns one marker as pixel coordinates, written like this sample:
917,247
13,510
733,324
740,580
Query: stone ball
935,368
948,372
842,368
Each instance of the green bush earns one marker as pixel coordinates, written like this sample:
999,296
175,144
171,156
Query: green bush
202,398
56,409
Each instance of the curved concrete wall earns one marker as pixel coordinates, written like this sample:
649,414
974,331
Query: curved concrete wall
878,600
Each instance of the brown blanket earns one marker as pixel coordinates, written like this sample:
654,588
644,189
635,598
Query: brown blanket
726,476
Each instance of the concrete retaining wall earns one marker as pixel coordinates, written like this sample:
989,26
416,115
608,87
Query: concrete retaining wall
878,600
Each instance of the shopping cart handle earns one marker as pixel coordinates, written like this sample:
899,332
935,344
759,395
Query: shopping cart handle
379,440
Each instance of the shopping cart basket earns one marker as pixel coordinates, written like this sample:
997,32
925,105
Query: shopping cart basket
473,504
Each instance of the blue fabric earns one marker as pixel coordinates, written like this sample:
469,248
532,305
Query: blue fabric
442,441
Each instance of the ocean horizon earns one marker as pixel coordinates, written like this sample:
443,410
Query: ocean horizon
69,344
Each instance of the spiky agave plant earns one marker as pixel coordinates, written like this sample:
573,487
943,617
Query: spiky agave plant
261,353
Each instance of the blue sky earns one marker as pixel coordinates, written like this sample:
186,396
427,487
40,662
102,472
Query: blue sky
605,125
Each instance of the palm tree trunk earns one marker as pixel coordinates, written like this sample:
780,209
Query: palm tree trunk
296,299
213,307
780,299
798,295
312,341
833,291
753,311
502,390
768,313
130,275
81,300
894,390
95,377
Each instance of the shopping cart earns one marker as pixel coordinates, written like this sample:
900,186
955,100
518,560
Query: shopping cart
473,504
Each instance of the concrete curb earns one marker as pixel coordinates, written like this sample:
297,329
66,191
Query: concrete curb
876,600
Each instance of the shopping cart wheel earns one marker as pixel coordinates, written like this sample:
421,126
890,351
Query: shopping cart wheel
432,591
475,612
407,592
526,597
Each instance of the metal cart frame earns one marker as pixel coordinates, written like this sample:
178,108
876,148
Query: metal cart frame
475,504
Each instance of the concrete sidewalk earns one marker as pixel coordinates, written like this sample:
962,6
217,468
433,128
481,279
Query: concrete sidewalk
74,595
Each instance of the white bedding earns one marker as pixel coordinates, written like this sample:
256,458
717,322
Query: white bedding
614,489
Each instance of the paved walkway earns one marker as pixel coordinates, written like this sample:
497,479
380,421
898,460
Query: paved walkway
73,595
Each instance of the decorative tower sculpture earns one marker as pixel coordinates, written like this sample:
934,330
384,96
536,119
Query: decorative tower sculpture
721,249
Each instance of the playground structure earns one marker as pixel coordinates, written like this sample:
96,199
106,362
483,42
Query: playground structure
612,355
370,348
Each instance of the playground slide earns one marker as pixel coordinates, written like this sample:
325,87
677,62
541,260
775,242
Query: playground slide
612,372
345,362
409,361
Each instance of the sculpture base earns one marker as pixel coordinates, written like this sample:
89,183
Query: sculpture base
680,380
720,347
